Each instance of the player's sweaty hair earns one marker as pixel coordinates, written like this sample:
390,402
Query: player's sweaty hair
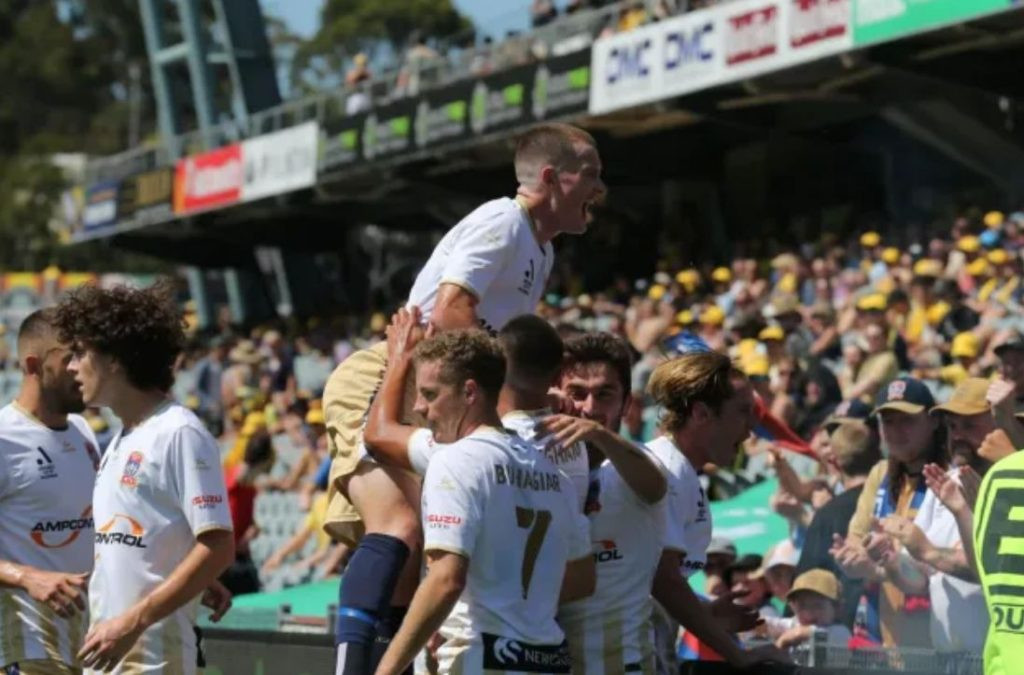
533,351
587,348
697,377
466,355
551,144
143,330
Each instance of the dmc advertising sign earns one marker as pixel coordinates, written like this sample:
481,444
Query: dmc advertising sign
715,46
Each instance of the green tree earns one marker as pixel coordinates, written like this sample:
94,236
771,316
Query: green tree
375,27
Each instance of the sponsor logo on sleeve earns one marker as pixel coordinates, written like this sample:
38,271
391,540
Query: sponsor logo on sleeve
207,501
443,521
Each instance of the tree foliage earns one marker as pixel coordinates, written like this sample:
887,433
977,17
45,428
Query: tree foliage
374,27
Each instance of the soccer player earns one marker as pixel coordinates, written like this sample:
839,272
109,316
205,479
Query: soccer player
709,408
163,529
635,540
533,354
503,535
48,458
490,267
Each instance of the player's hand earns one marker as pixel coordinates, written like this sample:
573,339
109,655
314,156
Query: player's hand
797,635
108,641
560,403
61,592
763,654
404,333
904,530
1001,395
218,598
996,446
566,430
733,617
945,488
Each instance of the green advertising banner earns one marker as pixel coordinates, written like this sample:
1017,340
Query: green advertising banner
879,20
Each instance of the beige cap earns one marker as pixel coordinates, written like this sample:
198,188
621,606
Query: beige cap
818,581
968,398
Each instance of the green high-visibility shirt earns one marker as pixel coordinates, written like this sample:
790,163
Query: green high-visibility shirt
999,548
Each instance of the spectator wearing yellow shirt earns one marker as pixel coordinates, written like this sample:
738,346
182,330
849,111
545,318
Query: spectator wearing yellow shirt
879,367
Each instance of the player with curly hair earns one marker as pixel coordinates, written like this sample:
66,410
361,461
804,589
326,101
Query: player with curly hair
163,529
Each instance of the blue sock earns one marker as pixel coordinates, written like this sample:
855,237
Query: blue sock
387,627
365,598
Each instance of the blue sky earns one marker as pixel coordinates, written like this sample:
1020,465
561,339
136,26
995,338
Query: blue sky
493,17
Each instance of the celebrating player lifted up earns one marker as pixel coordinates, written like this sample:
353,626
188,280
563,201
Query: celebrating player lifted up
490,267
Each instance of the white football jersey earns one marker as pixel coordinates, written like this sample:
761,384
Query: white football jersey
492,498
688,519
611,630
572,460
158,488
493,254
46,478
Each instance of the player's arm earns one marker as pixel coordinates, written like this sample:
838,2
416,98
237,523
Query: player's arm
640,472
682,604
108,641
435,597
384,435
60,591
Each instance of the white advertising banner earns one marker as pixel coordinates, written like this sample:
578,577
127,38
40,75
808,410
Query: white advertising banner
280,162
715,46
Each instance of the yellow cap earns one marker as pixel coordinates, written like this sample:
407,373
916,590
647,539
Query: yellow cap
870,239
885,285
747,347
994,219
969,244
192,402
656,292
51,273
998,257
684,318
937,312
98,424
722,275
873,302
315,416
254,421
891,255
689,278
979,267
965,344
756,366
926,267
378,322
771,333
713,316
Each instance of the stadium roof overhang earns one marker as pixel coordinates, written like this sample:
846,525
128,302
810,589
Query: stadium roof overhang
957,88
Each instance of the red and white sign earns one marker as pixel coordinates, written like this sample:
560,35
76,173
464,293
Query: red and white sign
209,180
751,35
813,22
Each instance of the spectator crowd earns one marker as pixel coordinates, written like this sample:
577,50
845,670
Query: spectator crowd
890,378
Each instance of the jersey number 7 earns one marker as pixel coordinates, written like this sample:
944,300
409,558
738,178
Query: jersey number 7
537,522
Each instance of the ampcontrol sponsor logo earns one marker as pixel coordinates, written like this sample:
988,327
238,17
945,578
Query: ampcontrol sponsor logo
61,533
608,551
121,530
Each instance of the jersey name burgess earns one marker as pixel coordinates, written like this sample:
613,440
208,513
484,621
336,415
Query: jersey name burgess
526,479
